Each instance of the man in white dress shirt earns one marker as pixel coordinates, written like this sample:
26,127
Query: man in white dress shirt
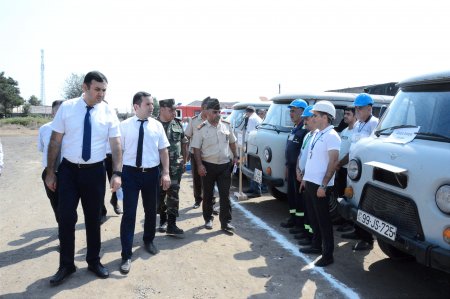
144,148
45,131
87,124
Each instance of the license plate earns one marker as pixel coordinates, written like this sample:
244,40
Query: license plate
383,228
257,176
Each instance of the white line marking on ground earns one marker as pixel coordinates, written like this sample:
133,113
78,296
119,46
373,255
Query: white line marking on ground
286,244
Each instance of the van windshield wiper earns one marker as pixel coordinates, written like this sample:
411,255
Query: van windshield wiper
433,135
270,125
377,132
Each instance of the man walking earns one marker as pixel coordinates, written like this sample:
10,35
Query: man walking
317,180
190,132
169,199
87,124
144,148
45,132
214,144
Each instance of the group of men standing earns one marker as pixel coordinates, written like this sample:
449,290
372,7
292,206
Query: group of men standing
148,157
314,153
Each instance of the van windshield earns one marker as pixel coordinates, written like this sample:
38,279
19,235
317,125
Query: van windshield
428,110
278,118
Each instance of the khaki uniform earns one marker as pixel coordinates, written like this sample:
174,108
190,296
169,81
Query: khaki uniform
214,144
191,130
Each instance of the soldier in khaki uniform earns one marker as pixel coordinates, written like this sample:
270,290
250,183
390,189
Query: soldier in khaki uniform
168,199
214,147
191,130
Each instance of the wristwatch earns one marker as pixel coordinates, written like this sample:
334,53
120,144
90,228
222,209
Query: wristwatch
323,186
118,173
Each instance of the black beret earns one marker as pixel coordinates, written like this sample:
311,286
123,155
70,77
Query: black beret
213,104
205,101
167,103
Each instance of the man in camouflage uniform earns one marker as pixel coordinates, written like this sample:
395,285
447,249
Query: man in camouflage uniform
169,199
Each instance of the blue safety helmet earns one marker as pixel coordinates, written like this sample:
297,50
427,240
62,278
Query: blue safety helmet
298,103
307,112
363,99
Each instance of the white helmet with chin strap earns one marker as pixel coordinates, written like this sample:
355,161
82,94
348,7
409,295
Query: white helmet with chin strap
326,107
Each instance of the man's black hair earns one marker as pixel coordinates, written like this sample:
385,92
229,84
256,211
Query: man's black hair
137,99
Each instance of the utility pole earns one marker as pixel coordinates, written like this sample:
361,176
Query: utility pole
42,79
279,88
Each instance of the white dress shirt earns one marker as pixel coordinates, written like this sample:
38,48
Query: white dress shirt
45,132
253,121
69,120
155,139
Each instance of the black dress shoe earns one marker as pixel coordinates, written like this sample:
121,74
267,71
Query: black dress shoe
288,223
311,250
174,231
324,261
125,266
117,208
99,270
62,273
351,236
296,230
151,248
228,227
103,219
304,242
302,235
209,224
363,245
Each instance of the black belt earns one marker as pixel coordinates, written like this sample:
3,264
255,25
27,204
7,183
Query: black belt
140,169
83,166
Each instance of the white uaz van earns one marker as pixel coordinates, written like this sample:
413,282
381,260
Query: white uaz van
399,178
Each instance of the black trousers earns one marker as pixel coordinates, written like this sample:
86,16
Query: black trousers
109,170
220,174
53,196
133,183
340,181
197,181
87,184
295,199
320,220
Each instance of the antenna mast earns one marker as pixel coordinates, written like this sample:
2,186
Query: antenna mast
42,79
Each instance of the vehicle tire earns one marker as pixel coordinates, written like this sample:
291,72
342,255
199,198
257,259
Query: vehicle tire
392,252
277,194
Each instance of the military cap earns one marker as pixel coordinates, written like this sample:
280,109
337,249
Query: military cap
205,101
213,104
167,103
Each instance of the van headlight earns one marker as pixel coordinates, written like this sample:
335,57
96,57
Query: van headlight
267,154
443,198
354,169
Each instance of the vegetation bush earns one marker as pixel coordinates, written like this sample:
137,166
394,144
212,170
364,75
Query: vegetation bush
31,122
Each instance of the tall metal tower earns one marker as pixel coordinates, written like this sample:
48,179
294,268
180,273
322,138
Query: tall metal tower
42,79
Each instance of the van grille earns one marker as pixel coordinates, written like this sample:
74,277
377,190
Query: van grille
393,208
253,162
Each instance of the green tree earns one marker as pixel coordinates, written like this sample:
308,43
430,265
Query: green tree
34,101
9,94
26,109
73,86
155,113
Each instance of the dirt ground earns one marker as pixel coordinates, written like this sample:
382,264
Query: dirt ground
259,261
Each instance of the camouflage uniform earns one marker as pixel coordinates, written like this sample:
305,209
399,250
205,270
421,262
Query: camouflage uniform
169,199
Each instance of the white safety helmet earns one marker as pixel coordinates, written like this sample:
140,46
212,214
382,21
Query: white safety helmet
325,106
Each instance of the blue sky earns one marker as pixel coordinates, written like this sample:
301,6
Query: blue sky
232,50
